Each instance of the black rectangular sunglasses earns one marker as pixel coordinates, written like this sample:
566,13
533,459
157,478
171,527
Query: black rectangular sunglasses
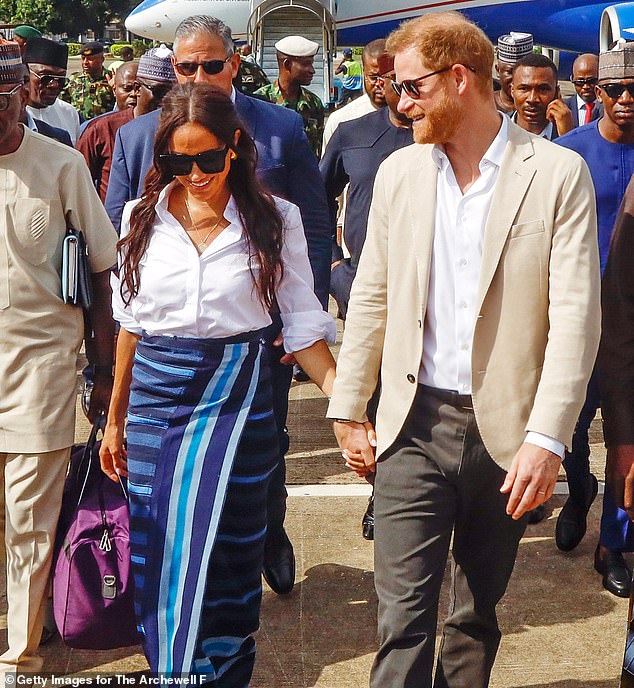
209,67
210,161
615,91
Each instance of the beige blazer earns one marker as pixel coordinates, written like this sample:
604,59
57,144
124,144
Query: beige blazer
538,325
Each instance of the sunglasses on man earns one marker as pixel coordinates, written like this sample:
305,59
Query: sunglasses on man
209,67
47,80
211,161
615,91
156,90
590,81
5,98
410,86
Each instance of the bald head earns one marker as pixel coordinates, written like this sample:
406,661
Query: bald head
585,75
124,91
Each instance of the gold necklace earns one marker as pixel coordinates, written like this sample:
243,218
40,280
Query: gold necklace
201,245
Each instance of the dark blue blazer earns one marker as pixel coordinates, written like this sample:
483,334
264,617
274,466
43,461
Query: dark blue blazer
286,166
571,102
56,133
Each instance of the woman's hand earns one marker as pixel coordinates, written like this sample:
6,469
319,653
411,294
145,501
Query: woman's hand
113,454
357,442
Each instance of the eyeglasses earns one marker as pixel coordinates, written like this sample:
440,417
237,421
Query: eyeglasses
209,66
590,81
155,89
210,161
5,98
615,91
49,79
373,78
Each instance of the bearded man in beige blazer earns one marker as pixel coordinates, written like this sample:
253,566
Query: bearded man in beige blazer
476,300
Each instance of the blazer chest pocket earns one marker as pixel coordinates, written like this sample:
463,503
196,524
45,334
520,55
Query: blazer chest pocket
31,217
527,229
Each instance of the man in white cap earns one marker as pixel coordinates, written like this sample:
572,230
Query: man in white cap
295,56
511,48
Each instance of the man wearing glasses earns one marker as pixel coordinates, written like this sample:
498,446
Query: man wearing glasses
204,53
47,62
476,300
607,146
585,77
44,185
152,78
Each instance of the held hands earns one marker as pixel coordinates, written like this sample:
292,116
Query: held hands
113,454
619,473
358,442
560,115
531,479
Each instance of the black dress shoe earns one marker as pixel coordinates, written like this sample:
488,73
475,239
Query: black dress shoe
367,522
617,577
279,563
572,520
537,514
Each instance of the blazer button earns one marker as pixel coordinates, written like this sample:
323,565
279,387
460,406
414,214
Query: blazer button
411,378
420,323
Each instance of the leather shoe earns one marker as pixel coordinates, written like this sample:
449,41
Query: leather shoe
537,514
617,577
572,520
279,563
367,522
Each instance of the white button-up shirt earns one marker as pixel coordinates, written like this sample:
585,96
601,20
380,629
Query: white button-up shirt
212,295
455,275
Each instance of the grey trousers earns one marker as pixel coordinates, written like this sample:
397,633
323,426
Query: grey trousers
436,479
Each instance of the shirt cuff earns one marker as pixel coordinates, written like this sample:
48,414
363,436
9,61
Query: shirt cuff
546,442
301,330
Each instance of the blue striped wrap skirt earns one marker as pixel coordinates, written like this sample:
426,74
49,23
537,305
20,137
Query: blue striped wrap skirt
202,443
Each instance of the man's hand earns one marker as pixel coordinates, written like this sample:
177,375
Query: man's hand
357,441
100,396
287,359
531,479
560,115
619,473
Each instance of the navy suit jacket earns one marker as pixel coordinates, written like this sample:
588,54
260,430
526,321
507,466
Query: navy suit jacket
286,166
571,102
56,133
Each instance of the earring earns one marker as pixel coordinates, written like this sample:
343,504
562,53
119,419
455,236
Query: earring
232,155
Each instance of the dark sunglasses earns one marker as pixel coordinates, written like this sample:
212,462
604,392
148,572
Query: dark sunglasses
210,161
155,89
49,79
590,81
209,66
410,86
5,98
615,91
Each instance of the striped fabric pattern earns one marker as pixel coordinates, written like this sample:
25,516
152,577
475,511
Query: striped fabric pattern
201,446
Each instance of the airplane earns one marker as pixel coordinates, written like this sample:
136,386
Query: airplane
563,25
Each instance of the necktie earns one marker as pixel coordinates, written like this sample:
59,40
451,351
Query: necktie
589,107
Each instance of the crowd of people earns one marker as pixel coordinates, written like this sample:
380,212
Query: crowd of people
468,230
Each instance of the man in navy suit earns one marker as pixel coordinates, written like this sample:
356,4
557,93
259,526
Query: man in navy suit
584,105
204,52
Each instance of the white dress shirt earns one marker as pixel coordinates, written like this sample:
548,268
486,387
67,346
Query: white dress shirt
455,275
60,114
212,295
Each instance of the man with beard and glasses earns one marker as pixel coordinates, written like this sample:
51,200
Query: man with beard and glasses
538,105
585,77
47,62
607,146
153,78
476,300
204,53
511,48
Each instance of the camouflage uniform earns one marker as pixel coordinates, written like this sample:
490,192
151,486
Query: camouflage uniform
308,105
250,77
90,97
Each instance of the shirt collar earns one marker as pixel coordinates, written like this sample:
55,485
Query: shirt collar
230,214
546,132
493,154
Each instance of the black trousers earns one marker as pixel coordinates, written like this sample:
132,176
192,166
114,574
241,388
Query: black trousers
438,479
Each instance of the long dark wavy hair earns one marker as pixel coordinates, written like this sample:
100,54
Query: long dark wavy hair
205,105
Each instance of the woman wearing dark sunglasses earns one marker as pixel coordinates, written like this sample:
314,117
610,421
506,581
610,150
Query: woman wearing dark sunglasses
205,254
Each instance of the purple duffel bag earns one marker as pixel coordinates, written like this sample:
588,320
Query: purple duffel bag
93,592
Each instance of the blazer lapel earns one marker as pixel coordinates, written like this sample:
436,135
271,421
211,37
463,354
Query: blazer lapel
515,176
422,212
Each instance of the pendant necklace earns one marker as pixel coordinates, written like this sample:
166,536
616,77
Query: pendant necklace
201,245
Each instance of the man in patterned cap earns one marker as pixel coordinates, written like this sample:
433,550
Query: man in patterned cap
154,78
45,184
88,91
47,69
295,56
511,48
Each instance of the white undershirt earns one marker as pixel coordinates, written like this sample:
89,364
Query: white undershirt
455,275
185,294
